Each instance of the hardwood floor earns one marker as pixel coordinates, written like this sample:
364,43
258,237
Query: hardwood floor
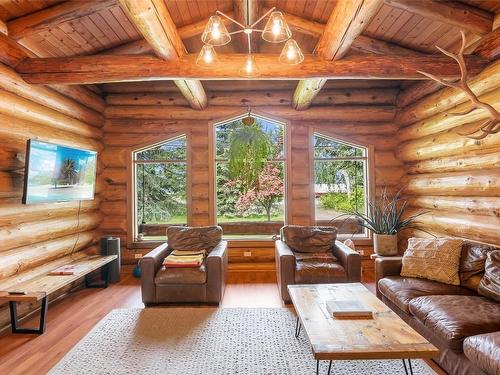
72,317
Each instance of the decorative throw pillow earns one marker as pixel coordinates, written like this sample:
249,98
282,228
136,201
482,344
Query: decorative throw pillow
194,238
490,283
309,239
473,259
435,259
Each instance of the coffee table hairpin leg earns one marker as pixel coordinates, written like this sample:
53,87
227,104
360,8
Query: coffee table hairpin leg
298,326
409,367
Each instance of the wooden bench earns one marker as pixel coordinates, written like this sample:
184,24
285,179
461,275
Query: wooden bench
39,285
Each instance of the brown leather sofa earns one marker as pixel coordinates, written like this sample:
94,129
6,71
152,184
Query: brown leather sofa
462,324
203,284
311,255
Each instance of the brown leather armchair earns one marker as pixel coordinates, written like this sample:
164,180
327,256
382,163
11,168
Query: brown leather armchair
338,264
205,284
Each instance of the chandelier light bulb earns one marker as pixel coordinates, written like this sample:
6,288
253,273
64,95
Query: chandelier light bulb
249,65
276,29
291,53
216,31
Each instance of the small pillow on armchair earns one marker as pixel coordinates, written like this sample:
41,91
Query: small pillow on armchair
194,238
435,259
490,283
309,239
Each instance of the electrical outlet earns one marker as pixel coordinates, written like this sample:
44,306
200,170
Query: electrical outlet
137,256
247,253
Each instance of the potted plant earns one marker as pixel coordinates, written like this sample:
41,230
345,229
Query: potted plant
385,218
249,149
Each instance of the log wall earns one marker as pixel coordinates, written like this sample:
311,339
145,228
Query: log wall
133,119
33,235
455,178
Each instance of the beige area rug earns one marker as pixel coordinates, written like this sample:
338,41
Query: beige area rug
206,341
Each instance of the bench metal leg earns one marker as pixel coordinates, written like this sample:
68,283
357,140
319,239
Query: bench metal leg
101,284
15,323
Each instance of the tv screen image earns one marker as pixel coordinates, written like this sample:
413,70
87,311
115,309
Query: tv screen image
56,173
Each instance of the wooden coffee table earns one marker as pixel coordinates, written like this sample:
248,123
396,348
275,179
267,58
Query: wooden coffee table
386,336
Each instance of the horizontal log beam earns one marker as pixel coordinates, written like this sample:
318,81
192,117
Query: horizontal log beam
447,143
457,14
12,82
260,98
82,95
102,69
489,47
468,162
16,106
485,206
471,227
340,113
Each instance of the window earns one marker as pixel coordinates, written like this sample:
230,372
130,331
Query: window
160,175
250,177
340,183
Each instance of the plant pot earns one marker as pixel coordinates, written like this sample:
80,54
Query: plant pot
385,244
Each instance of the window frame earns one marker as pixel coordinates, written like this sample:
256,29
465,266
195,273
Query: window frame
213,170
132,241
369,178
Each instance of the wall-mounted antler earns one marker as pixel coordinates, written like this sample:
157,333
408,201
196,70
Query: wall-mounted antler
492,124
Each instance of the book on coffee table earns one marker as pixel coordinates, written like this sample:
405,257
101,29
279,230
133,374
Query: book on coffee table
348,309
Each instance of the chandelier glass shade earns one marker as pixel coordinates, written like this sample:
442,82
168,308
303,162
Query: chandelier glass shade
215,32
291,53
207,56
276,30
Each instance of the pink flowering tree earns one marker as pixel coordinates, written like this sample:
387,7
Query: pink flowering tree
267,190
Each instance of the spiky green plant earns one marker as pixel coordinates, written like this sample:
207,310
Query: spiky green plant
386,215
249,149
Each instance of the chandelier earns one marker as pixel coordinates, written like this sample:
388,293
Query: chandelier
276,30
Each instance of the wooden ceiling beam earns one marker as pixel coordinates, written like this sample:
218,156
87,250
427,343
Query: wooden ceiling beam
246,12
142,46
114,68
347,21
153,20
453,13
489,46
47,18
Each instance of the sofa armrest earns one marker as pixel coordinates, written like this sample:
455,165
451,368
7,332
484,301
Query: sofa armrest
350,260
217,261
149,265
285,268
387,266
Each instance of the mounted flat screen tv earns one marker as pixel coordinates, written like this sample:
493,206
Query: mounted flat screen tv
56,173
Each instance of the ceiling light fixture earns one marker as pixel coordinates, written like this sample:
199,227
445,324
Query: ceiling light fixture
276,30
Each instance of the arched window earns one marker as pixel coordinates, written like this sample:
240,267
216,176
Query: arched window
160,186
340,183
250,177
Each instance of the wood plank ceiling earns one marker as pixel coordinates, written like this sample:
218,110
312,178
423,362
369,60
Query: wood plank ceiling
91,27
108,26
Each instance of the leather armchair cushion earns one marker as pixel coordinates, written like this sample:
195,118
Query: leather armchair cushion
188,275
401,290
309,239
319,273
194,238
484,351
490,283
472,259
454,318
